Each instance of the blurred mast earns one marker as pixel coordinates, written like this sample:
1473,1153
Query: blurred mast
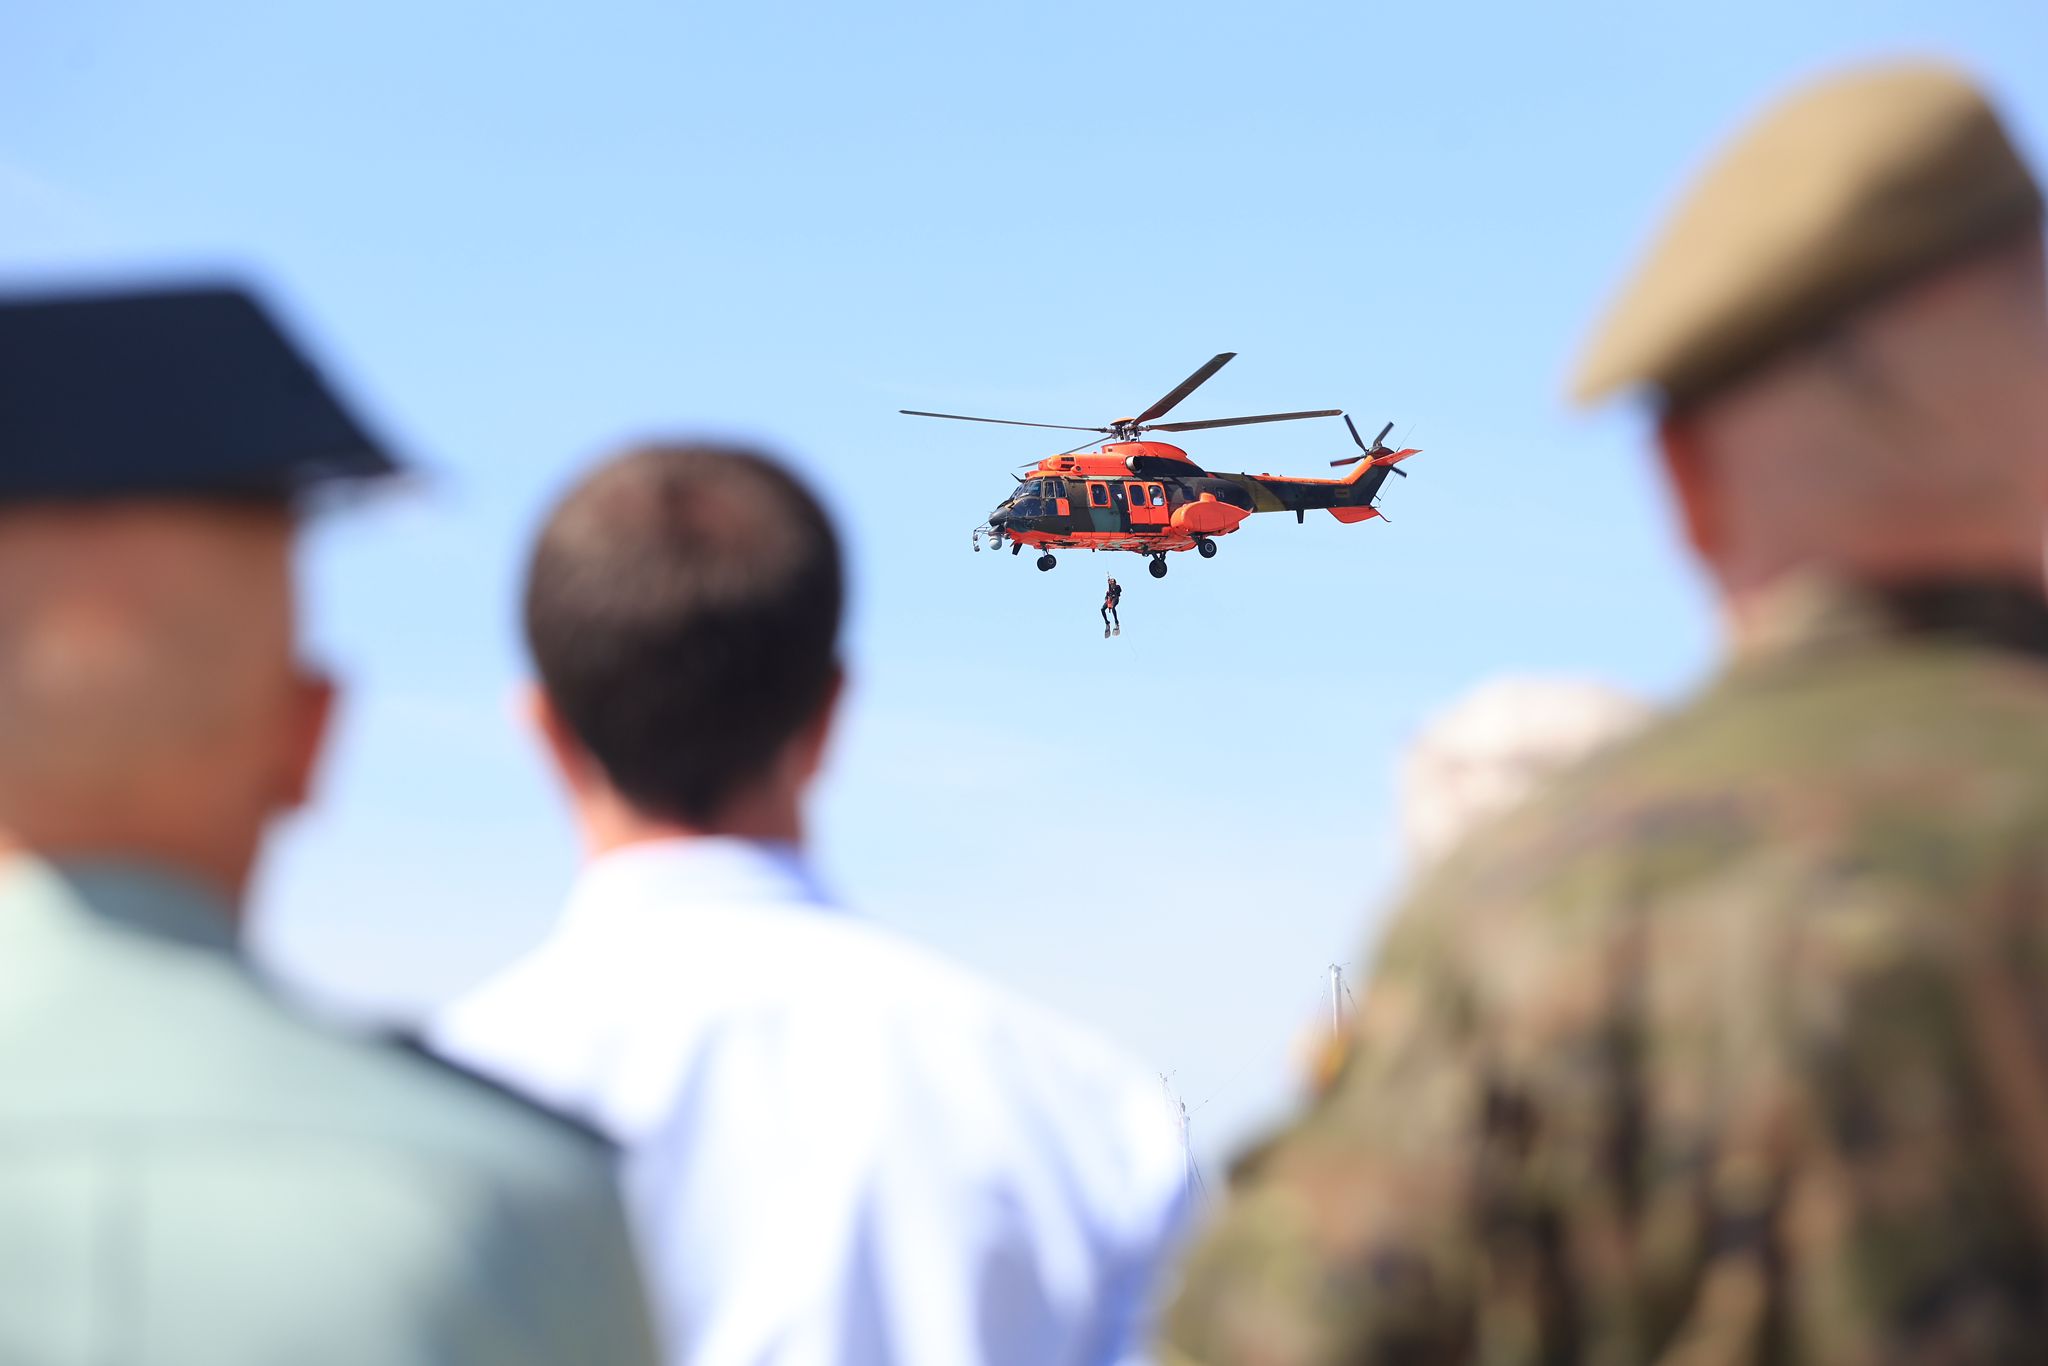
1191,1175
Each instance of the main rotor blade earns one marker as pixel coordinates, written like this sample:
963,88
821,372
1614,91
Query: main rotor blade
1073,450
1185,387
1001,421
1241,421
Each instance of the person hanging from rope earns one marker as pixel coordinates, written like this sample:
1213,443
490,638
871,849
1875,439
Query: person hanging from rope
1109,602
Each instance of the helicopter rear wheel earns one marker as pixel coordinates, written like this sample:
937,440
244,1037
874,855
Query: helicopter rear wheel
1045,562
1157,569
1206,549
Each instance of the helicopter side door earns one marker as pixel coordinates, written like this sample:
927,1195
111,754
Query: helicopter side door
1148,504
1105,506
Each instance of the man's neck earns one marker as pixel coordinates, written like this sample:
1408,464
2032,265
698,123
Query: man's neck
225,874
611,825
1754,613
1750,584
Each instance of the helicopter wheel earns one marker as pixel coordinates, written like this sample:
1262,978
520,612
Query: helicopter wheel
1046,562
1157,569
1206,549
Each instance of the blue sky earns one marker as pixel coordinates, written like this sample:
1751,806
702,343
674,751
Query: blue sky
522,234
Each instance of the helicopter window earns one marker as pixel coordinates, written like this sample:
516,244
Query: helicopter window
1157,494
1098,495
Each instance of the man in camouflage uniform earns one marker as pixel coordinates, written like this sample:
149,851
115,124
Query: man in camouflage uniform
1734,1046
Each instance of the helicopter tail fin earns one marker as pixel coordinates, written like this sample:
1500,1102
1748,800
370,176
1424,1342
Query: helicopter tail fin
1379,462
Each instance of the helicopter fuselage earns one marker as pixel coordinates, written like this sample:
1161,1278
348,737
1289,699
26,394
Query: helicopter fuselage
1148,497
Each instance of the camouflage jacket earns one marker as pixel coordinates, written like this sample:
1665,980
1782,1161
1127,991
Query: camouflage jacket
1731,1047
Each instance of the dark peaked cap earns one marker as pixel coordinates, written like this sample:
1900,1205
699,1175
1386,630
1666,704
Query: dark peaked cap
177,393
1851,187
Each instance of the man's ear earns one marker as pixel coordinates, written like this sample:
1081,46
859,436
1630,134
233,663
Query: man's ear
571,762
812,740
307,723
1689,471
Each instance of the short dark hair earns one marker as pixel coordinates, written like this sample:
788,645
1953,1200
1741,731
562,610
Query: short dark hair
683,606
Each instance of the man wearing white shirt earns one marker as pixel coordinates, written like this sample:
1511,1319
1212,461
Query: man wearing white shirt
837,1147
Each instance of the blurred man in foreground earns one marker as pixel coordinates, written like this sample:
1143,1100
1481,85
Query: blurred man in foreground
839,1148
189,1173
1730,1048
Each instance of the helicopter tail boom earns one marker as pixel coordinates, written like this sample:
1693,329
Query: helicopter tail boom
1354,492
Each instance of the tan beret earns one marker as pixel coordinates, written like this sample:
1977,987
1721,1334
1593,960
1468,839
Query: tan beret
1848,188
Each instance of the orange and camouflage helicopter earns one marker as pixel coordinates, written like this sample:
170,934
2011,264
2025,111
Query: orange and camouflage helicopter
1149,498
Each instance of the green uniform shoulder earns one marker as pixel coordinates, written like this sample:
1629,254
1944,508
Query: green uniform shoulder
146,1016
174,1138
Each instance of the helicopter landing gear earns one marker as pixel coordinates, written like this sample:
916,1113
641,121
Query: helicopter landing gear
1206,549
1016,546
1045,562
1157,569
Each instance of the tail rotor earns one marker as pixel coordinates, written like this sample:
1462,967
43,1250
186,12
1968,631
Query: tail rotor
1378,447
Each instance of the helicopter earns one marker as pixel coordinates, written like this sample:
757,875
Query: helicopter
1149,498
